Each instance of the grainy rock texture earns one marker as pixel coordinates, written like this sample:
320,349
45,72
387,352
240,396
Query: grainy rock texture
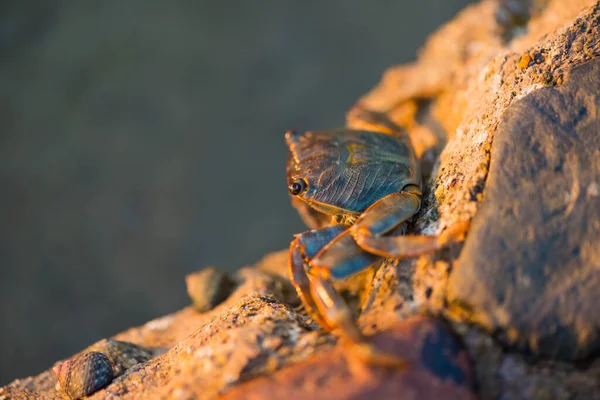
532,266
208,287
503,113
438,368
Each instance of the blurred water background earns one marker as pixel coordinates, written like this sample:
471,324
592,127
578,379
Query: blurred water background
141,140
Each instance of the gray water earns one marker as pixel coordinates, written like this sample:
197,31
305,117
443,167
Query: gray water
141,140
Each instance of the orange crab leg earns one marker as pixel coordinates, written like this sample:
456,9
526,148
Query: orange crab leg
318,295
389,212
311,242
301,282
386,214
339,318
354,250
304,247
341,258
368,120
364,243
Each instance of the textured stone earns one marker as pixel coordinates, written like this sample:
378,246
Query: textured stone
208,287
438,368
256,336
531,266
251,323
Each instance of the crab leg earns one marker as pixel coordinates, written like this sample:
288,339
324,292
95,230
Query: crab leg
340,258
346,258
318,295
304,247
302,283
361,118
386,214
314,240
337,314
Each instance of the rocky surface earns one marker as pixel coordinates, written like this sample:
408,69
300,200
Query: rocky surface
504,117
438,367
532,267
208,287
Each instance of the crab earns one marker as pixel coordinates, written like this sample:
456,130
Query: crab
356,189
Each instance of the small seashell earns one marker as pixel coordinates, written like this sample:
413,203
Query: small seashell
84,374
124,355
208,287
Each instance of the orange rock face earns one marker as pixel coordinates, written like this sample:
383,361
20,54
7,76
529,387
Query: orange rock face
438,367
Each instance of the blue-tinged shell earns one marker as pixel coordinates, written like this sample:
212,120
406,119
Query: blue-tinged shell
346,171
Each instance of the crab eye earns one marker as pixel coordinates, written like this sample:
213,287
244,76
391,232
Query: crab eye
297,187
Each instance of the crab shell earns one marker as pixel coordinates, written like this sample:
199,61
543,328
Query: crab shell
345,171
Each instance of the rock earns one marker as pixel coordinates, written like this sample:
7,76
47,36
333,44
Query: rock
256,330
257,335
471,76
531,266
438,368
208,287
